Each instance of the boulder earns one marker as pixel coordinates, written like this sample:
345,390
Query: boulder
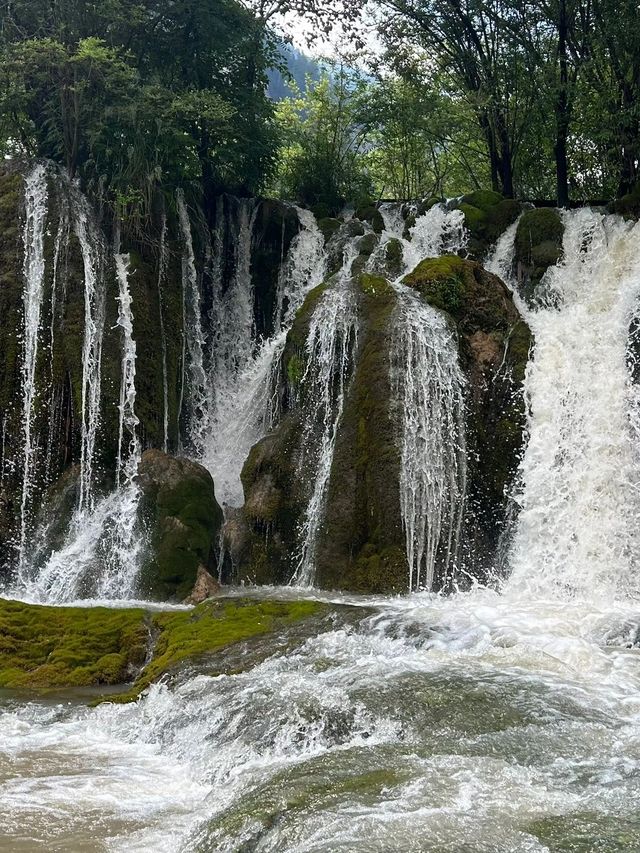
486,216
183,519
361,545
538,247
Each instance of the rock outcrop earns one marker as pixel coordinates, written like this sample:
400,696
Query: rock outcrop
183,520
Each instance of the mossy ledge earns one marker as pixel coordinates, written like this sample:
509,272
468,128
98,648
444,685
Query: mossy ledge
44,647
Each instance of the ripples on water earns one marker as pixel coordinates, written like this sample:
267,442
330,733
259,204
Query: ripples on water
474,723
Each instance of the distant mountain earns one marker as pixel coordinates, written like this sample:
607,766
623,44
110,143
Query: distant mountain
300,66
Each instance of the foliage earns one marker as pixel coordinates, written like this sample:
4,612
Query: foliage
127,94
323,135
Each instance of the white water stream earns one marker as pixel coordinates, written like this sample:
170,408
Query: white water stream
36,197
485,722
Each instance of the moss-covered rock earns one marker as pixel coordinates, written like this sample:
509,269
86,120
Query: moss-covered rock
538,246
69,646
328,227
370,213
628,205
487,215
183,518
361,544
63,647
493,349
275,226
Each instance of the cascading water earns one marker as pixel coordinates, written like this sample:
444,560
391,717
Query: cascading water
101,554
330,343
580,500
244,372
429,394
193,372
94,314
36,197
480,721
428,386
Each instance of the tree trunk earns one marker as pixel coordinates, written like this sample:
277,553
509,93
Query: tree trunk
562,112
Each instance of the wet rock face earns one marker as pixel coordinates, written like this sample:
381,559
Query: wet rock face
493,349
538,247
276,225
486,215
183,520
361,544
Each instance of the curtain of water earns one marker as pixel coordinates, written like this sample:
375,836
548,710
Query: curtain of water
580,500
92,251
36,197
246,372
194,376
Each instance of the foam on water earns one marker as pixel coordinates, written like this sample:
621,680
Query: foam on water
474,717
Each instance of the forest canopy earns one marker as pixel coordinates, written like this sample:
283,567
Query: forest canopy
534,99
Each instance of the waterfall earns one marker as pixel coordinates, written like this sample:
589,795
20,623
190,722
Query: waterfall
57,308
330,343
162,272
303,269
94,311
245,375
36,197
102,550
437,232
193,373
128,444
500,261
580,501
428,387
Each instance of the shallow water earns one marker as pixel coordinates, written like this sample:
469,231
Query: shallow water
474,723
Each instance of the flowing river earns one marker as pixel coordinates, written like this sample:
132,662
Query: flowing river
481,722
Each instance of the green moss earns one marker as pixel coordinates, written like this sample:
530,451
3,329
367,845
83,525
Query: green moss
328,227
295,369
487,215
373,285
535,228
184,518
297,336
212,626
61,647
482,199
68,646
474,218
628,205
367,244
370,213
440,281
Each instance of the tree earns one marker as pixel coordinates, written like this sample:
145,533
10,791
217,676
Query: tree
472,45
324,133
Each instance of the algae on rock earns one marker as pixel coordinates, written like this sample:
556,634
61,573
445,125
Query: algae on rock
62,647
